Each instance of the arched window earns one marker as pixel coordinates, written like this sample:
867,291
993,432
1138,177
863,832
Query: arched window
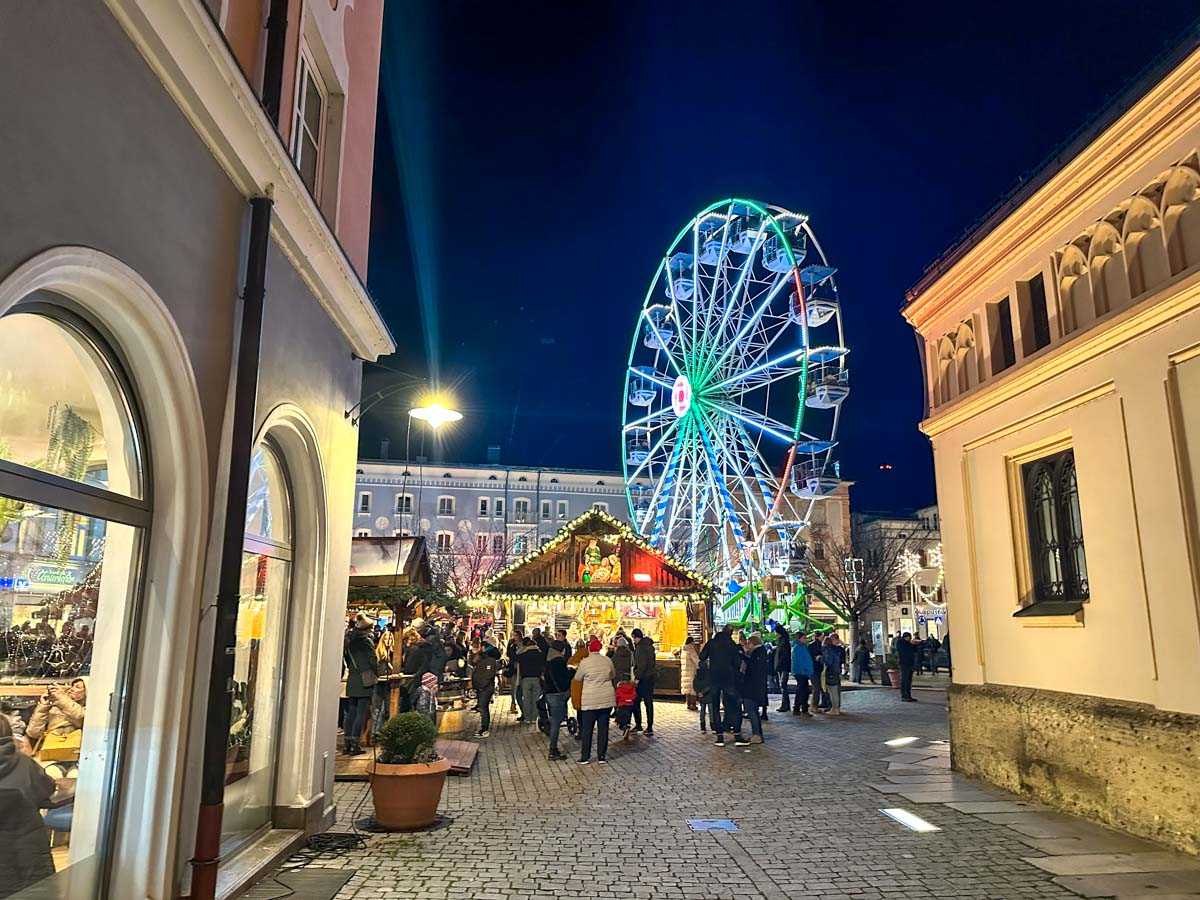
259,656
74,514
1055,529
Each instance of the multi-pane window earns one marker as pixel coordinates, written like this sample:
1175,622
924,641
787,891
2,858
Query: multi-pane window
602,507
307,123
483,507
364,502
363,532
520,510
445,506
444,541
481,543
519,544
498,544
562,509
404,504
498,507
545,509
1056,554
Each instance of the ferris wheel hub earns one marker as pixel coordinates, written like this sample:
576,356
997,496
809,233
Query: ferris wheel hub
681,396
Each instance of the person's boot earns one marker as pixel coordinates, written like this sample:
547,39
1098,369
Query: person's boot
784,708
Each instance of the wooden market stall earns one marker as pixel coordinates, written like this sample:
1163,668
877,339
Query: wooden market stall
597,576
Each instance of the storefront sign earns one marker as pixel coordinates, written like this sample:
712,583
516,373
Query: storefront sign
43,574
877,638
13,583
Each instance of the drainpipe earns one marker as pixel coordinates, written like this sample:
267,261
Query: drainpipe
272,85
220,680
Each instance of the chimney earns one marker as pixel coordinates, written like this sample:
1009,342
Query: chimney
383,448
493,454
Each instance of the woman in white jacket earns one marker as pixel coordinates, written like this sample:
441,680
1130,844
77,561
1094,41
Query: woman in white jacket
598,697
689,662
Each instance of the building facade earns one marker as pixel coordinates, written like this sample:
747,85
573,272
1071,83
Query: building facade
477,517
1062,357
914,597
182,324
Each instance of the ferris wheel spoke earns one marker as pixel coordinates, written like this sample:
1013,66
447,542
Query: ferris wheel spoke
666,433
755,317
731,515
761,421
787,357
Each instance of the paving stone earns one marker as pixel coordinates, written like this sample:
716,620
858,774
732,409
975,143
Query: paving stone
1114,863
1110,842
1155,884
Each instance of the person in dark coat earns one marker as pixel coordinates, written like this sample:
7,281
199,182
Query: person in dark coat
645,673
24,789
724,659
816,649
862,663
754,687
906,654
358,654
484,668
783,665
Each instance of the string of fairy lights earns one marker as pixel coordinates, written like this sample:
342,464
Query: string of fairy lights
910,565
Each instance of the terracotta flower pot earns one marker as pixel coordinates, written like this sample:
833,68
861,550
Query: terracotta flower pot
894,677
406,796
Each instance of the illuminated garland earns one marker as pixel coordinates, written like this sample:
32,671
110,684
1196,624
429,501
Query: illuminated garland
910,564
567,532
611,599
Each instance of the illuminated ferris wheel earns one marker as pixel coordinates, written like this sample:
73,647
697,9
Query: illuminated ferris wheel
733,392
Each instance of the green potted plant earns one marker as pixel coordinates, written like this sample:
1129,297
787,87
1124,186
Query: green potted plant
892,663
408,775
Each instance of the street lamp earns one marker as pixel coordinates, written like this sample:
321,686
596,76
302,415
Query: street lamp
435,411
435,414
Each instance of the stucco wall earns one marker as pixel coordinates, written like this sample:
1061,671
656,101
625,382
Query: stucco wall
95,154
1124,764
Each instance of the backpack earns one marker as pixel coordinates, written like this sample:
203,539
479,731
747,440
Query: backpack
626,693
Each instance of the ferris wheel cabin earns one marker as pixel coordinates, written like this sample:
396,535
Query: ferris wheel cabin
811,479
680,284
659,331
828,386
642,386
820,302
637,447
713,248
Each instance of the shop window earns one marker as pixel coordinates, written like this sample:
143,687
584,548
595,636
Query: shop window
1000,330
1054,527
483,507
445,506
69,558
545,509
258,663
521,510
364,503
404,504
563,509
308,123
445,540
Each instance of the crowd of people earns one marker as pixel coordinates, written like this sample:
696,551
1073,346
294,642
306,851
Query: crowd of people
584,688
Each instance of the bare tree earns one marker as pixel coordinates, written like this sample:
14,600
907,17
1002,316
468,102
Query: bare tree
835,577
470,561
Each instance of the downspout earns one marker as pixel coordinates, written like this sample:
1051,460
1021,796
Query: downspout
272,86
220,680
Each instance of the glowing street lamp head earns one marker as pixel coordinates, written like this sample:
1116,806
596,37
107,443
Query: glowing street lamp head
436,414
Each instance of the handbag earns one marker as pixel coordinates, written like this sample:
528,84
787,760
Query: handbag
55,747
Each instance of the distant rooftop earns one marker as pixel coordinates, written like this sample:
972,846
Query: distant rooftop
489,467
1030,183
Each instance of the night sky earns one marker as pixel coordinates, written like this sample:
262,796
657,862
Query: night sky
555,149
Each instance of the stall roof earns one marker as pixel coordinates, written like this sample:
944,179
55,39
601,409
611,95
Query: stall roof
594,555
388,561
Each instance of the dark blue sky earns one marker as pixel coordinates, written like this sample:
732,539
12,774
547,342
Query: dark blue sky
568,143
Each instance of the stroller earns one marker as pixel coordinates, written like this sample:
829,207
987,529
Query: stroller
626,701
543,718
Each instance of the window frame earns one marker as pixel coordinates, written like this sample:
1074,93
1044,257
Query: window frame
307,66
48,490
449,535
358,508
453,504
521,510
497,507
600,506
400,509
546,508
1029,601
563,509
484,505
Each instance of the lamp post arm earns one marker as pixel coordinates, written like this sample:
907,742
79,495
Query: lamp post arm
362,407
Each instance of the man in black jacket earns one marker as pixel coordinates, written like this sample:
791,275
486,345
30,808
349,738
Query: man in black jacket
754,687
645,670
530,665
783,664
906,653
484,668
556,687
724,659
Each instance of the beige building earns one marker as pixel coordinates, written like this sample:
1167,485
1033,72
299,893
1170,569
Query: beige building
1062,354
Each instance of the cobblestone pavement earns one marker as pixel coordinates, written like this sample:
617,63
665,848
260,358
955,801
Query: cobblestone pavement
808,818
